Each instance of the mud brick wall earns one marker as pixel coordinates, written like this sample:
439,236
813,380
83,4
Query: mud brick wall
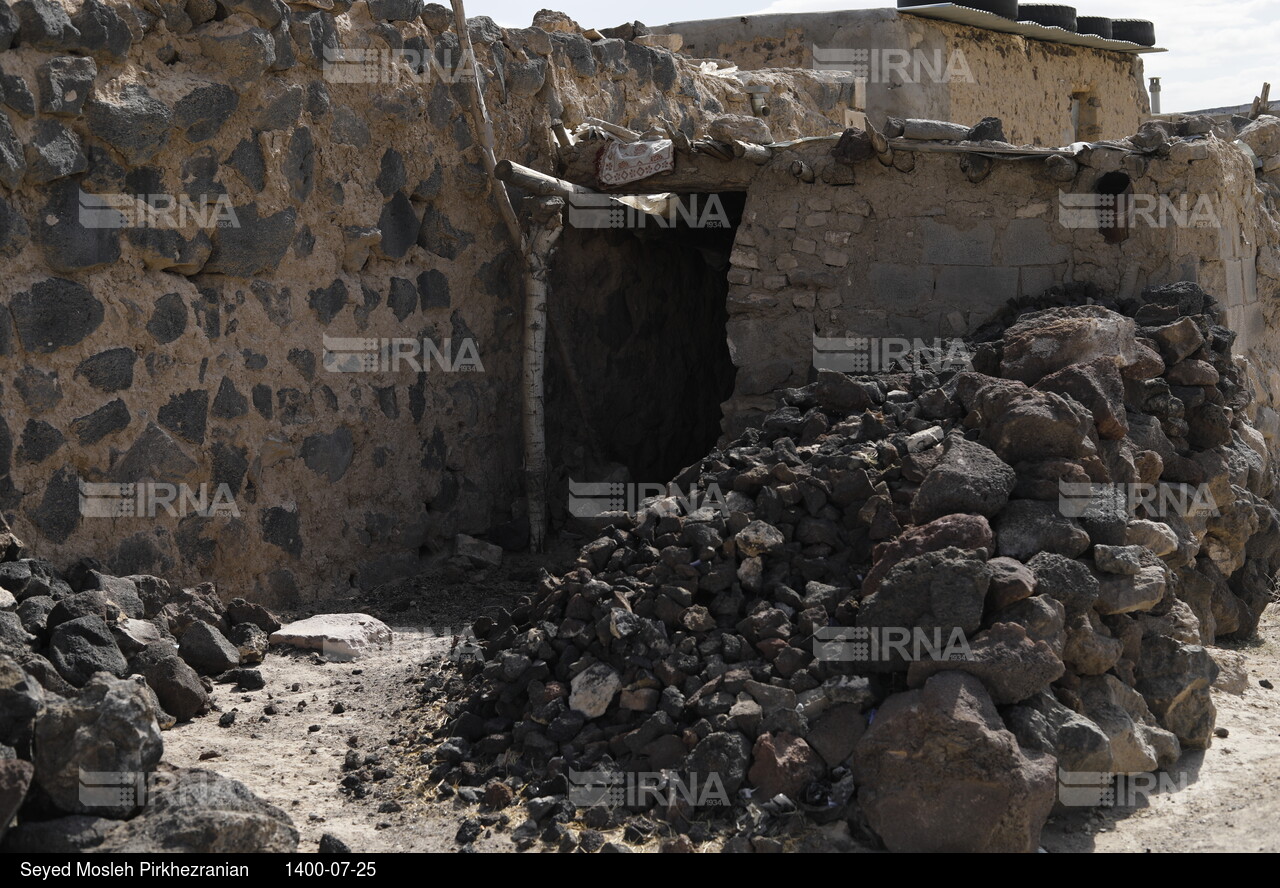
1029,84
195,354
877,251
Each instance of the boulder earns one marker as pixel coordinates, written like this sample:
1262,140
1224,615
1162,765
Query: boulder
1179,340
1138,744
186,607
88,749
203,812
62,835
1044,618
938,771
1233,671
840,394
1029,527
783,765
1043,724
836,732
1065,579
1099,387
1119,560
1129,594
177,686
1155,536
1010,665
593,689
1176,681
240,611
83,647
969,479
723,756
1011,582
740,128
1025,425
207,650
135,123
133,635
968,532
251,642
1090,649
1042,342
478,552
759,538
943,591
12,632
15,779
21,699
337,636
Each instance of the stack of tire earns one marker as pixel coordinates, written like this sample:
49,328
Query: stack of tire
1136,31
1005,8
1050,16
1096,25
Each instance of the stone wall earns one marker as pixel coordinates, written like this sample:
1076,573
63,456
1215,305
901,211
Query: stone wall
195,355
876,251
1027,83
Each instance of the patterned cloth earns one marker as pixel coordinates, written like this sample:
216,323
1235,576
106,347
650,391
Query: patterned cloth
624,162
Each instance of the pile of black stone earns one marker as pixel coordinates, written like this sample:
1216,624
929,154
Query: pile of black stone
1056,530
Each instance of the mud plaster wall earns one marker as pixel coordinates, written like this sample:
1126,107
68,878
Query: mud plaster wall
1027,83
196,356
927,254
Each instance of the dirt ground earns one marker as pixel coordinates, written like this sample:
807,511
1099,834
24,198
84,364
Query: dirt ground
294,758
323,711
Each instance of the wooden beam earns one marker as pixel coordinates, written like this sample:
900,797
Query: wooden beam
535,182
621,132
693,174
974,148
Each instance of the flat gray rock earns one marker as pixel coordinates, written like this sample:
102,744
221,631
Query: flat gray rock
338,636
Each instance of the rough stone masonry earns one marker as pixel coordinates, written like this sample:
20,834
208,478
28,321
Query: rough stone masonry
271,199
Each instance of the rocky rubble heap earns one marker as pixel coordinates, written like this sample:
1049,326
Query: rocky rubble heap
979,501
92,669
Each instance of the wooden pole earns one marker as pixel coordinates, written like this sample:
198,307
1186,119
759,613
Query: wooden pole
484,126
547,223
538,183
536,253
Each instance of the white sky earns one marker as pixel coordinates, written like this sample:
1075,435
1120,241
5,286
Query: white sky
1220,51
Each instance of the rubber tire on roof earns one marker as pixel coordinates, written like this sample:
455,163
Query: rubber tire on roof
1006,8
1096,25
1136,31
1050,16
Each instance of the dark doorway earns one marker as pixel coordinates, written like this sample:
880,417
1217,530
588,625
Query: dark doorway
642,309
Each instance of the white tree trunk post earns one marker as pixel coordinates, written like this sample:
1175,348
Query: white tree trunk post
546,225
536,252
